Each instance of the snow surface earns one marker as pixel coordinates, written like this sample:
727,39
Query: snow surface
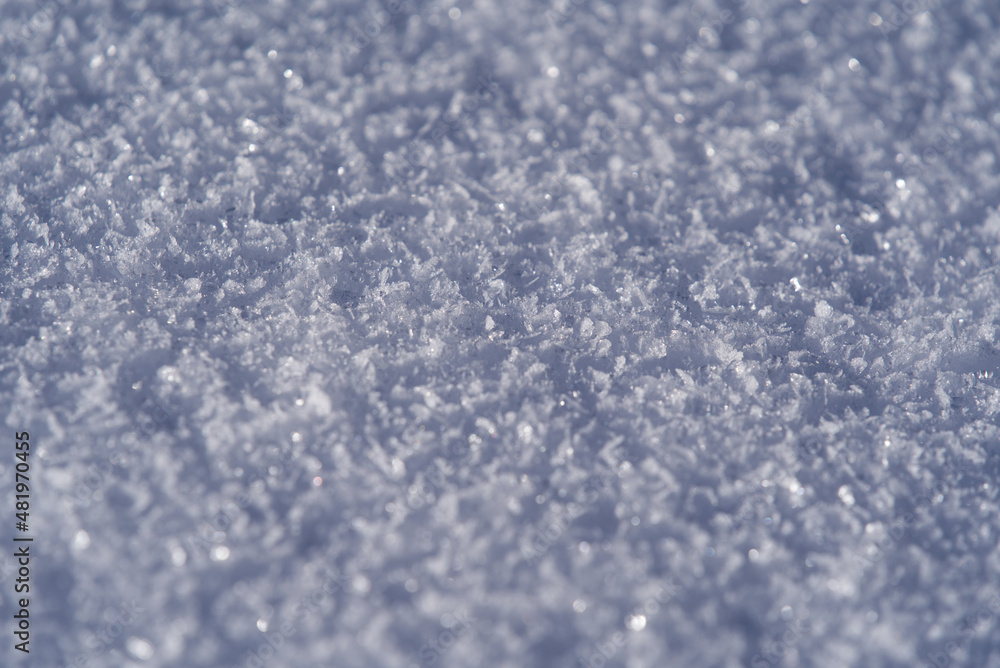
503,337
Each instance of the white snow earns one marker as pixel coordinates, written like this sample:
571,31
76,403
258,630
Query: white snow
410,334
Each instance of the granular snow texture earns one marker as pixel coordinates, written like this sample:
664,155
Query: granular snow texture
521,334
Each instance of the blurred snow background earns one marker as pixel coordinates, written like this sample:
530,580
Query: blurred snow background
521,334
